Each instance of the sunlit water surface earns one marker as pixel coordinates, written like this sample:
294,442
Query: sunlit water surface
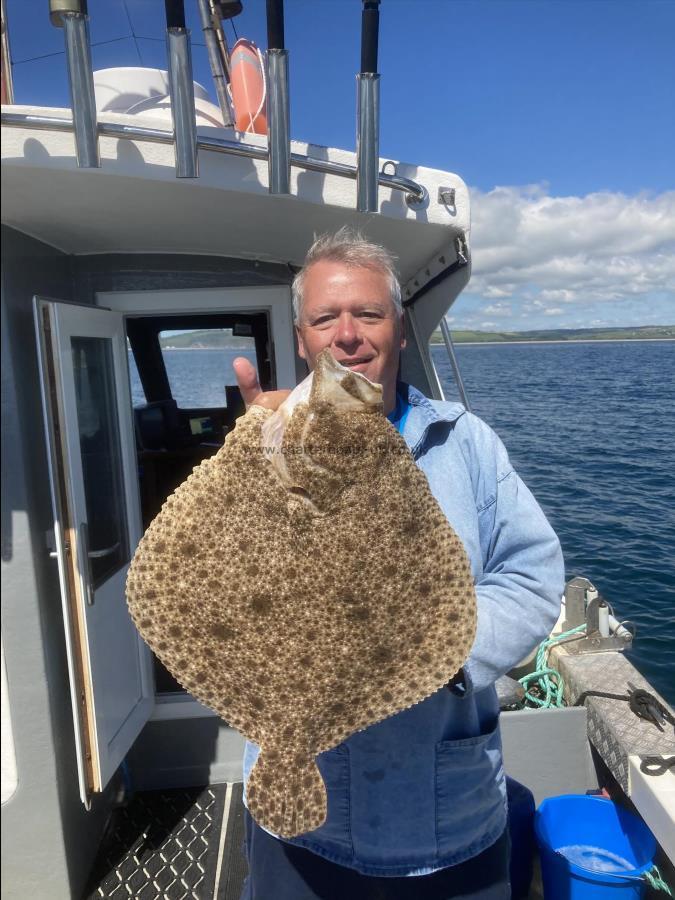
591,429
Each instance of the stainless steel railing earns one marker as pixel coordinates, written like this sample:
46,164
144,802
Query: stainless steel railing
415,194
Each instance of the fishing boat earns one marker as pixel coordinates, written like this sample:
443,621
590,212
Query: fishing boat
135,216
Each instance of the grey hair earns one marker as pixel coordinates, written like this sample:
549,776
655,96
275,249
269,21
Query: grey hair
348,246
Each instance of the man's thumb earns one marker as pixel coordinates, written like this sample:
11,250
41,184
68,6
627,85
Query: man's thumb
247,379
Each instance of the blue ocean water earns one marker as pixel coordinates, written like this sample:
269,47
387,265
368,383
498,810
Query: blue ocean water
197,377
591,430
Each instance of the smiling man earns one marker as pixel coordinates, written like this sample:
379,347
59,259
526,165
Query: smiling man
352,307
345,298
423,792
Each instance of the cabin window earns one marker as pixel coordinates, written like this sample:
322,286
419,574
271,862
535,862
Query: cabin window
199,364
100,449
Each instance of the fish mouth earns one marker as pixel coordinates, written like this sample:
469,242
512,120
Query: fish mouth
344,388
343,383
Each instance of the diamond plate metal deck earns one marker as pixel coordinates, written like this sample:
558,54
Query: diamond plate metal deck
613,729
167,845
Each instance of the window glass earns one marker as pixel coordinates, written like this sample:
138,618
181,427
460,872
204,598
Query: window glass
138,397
101,456
199,364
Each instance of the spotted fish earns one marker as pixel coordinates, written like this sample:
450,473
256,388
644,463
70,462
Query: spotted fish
307,590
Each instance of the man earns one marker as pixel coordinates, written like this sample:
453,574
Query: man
416,803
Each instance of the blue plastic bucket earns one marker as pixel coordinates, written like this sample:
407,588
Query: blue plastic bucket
592,849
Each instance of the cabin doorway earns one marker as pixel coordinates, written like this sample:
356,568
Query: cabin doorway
184,398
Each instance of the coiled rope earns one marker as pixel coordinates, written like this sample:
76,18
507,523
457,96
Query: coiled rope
545,687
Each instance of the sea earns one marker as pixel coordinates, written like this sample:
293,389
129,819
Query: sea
590,428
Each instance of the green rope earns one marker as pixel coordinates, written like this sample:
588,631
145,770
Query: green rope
545,686
656,881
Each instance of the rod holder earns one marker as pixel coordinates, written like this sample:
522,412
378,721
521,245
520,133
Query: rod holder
182,92
81,82
278,122
367,141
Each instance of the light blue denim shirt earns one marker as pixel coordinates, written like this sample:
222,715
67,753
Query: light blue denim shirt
425,788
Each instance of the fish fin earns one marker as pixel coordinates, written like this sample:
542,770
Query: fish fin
286,801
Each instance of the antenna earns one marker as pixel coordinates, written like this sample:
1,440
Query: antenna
7,88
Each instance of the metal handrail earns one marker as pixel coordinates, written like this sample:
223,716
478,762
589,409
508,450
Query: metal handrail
447,339
415,194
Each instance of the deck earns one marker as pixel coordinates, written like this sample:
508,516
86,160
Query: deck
184,844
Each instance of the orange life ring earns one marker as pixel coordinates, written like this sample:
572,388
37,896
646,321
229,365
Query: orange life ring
247,83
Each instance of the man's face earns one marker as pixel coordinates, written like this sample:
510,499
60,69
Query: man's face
349,311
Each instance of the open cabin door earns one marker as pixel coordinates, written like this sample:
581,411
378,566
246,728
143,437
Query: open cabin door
97,525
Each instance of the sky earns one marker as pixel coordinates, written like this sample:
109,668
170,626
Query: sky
558,114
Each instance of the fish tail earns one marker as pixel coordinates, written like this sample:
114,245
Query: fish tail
287,801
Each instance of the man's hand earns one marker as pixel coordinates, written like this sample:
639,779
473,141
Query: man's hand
253,395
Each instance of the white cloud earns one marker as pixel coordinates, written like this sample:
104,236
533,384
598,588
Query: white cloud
553,255
561,295
498,309
492,291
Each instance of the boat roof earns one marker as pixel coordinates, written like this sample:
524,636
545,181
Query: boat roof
134,203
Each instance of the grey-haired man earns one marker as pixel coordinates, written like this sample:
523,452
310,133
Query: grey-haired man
417,803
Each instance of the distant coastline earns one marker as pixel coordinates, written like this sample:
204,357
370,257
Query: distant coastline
560,341
561,335
219,339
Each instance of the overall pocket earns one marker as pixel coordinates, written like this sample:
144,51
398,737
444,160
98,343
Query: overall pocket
334,837
470,794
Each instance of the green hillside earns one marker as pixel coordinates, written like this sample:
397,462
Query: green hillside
644,332
206,339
